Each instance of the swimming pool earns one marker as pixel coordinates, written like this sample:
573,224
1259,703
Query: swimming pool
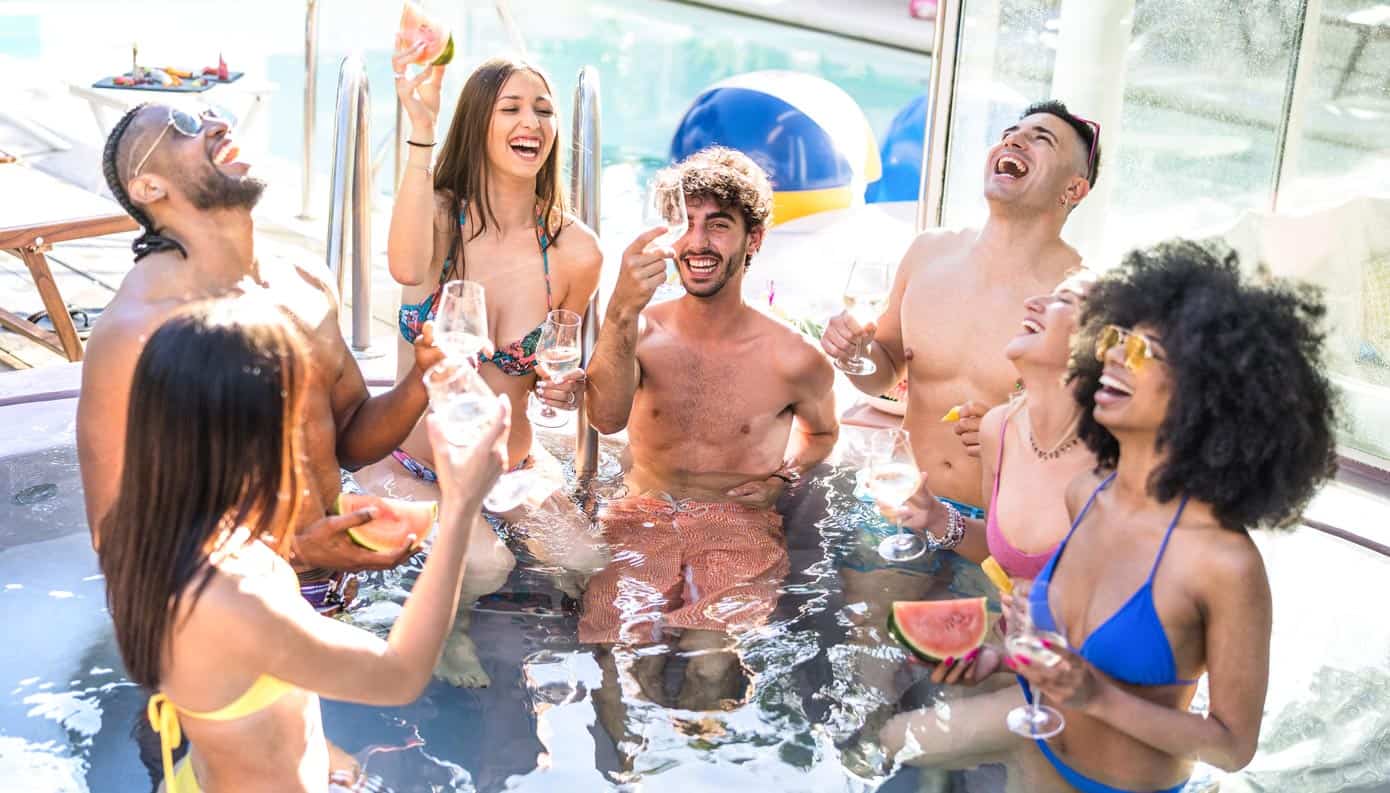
67,710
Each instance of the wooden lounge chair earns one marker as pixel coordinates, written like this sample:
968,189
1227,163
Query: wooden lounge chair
36,211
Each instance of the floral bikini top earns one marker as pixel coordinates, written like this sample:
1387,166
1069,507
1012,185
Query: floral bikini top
519,357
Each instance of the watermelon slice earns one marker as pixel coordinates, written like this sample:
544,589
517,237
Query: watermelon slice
418,28
395,520
934,630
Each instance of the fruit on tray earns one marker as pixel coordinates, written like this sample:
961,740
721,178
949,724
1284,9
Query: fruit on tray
395,520
220,71
996,575
934,630
897,393
417,28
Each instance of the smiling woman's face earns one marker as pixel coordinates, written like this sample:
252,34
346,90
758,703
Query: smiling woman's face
1049,321
1136,384
522,130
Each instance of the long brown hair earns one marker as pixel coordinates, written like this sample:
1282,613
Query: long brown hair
463,167
211,445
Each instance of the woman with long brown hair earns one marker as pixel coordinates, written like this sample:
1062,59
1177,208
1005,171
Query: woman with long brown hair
196,558
489,209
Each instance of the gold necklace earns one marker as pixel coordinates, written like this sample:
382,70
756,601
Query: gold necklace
1069,440
1056,451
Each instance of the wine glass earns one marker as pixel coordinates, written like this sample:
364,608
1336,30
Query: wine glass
866,295
460,322
558,350
463,402
893,478
665,206
1024,637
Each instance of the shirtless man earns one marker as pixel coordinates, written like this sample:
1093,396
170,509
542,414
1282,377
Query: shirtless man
724,406
953,306
180,177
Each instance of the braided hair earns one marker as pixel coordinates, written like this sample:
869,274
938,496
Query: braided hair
151,240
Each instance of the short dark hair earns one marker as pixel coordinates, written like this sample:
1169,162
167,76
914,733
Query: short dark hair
113,166
1055,107
1250,424
731,179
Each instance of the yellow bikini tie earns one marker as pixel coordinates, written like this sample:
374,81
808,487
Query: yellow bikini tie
164,718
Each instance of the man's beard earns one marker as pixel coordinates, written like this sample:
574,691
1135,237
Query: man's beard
216,190
724,269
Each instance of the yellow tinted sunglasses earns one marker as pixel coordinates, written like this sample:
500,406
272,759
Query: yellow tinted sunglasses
1138,348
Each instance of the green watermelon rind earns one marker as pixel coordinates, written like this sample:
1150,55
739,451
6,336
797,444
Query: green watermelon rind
361,542
925,653
447,56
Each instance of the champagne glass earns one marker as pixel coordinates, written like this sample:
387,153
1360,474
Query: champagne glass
460,322
1024,637
558,350
463,401
866,295
665,206
893,478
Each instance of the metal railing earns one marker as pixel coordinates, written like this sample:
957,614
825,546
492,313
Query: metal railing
311,64
941,101
585,169
350,205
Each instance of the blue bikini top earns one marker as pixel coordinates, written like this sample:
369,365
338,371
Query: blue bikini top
1130,646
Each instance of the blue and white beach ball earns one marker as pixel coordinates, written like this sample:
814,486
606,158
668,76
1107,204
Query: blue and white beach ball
808,134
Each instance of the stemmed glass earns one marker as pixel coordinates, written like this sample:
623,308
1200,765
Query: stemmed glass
1024,637
866,295
665,206
460,323
893,478
462,400
558,351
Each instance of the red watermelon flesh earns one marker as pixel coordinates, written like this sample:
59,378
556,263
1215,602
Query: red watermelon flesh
418,28
395,520
934,630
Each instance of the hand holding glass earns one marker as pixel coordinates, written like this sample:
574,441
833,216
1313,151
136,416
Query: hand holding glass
460,322
866,295
558,352
462,400
1033,720
665,206
892,479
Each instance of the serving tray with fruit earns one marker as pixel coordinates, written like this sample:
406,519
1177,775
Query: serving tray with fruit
170,79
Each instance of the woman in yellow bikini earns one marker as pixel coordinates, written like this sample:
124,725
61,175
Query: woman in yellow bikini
206,606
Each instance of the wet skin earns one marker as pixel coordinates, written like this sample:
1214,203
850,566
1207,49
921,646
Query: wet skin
341,424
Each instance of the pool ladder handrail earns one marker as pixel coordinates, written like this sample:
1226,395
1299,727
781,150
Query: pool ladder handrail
586,169
350,199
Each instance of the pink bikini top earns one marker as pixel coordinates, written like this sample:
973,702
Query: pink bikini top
1015,563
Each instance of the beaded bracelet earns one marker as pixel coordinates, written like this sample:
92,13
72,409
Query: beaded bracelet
955,531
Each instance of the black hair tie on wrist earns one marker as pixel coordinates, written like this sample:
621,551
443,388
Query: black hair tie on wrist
421,145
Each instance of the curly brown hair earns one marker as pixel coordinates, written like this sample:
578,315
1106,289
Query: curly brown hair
731,179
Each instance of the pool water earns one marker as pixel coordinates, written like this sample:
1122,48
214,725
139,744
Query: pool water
67,711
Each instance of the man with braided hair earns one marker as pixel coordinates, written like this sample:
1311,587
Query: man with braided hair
182,179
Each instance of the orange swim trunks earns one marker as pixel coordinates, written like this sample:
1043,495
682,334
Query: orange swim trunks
683,565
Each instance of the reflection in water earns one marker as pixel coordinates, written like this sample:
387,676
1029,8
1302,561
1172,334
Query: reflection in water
66,718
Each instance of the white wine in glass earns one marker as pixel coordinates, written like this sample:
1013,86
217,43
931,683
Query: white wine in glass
866,296
460,322
892,479
558,351
665,206
1032,720
460,398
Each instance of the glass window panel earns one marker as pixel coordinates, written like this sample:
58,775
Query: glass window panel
1188,93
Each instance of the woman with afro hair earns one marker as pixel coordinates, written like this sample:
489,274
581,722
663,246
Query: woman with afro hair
1205,404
